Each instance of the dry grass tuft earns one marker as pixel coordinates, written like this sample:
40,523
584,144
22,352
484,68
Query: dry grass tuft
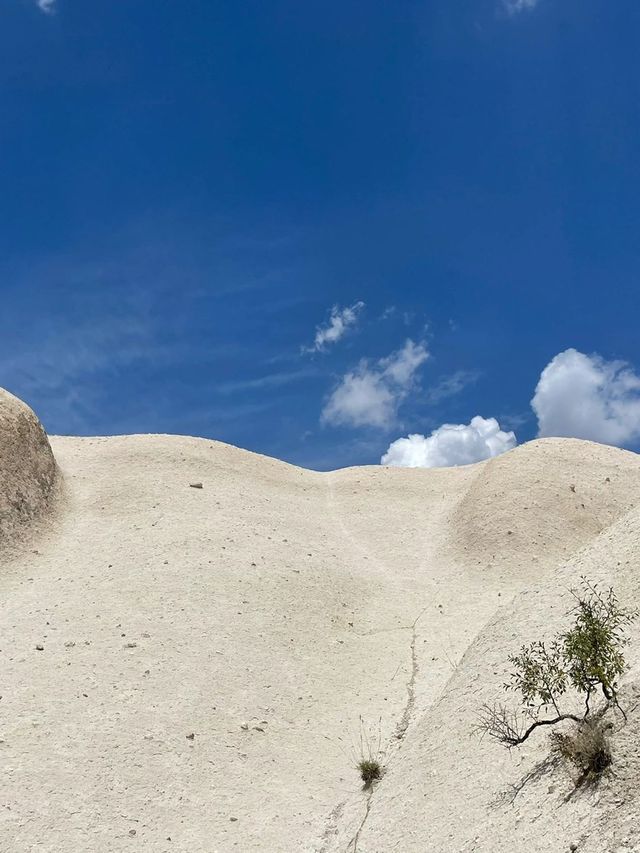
370,771
586,748
367,755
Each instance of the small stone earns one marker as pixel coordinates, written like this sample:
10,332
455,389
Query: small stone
39,647
196,485
130,645
191,736
233,819
132,832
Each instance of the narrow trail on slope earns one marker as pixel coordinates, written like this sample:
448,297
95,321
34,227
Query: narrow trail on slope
483,611
357,545
393,738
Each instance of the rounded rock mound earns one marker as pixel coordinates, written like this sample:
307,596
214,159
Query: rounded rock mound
27,467
542,501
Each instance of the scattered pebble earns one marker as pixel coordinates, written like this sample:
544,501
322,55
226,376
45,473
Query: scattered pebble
39,647
196,485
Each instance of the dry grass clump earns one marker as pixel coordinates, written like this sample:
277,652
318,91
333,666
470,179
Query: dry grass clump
586,748
367,755
370,771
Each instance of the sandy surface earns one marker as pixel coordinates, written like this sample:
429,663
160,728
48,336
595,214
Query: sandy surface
210,656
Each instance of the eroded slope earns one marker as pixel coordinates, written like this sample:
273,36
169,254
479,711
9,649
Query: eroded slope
208,654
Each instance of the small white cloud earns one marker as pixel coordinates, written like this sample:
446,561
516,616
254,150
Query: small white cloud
339,323
399,368
451,444
515,6
46,6
370,395
584,396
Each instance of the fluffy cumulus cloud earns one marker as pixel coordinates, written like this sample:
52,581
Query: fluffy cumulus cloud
340,321
584,396
450,444
515,6
370,394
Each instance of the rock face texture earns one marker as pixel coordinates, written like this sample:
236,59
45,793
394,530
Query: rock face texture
198,651
27,467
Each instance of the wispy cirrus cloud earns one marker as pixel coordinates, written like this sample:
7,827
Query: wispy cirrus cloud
46,6
267,382
452,385
513,7
62,366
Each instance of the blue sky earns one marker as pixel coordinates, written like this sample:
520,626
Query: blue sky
190,189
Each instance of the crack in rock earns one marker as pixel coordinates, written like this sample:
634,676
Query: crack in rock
405,719
353,844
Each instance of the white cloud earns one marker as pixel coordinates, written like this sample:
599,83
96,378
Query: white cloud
584,396
370,395
515,6
47,6
450,444
339,323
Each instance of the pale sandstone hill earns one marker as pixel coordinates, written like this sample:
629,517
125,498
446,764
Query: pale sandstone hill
207,654
557,495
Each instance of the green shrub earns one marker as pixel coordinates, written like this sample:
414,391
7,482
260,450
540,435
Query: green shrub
587,659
